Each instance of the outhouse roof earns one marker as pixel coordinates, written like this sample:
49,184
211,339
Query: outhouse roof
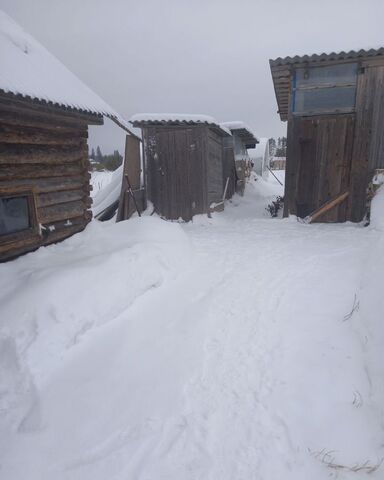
282,69
144,119
242,130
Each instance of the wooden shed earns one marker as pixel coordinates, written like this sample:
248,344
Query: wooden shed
44,116
241,140
183,156
334,105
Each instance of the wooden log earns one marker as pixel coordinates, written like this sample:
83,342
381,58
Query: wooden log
11,172
326,207
24,154
46,185
28,119
63,233
9,251
62,211
17,247
39,136
56,113
55,198
51,227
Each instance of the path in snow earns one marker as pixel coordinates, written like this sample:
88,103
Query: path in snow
239,366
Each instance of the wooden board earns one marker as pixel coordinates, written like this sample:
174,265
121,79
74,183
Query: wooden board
368,145
318,163
132,169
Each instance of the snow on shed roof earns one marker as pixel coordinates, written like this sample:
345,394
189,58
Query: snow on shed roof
243,131
262,148
30,70
176,119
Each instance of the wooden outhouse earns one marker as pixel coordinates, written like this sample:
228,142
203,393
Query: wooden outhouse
334,105
241,140
183,157
44,168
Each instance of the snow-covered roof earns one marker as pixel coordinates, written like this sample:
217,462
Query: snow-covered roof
242,130
109,194
30,70
262,148
176,119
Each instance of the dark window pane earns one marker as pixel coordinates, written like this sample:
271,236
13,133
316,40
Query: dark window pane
14,214
324,99
332,75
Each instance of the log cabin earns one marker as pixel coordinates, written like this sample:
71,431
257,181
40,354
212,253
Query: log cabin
334,105
242,138
45,111
184,158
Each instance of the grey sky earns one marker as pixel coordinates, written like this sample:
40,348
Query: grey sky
192,56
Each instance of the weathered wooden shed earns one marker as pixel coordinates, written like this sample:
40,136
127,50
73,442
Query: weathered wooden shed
241,140
44,116
183,156
334,105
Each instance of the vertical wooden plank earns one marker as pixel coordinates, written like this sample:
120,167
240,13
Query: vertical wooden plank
132,168
290,168
362,140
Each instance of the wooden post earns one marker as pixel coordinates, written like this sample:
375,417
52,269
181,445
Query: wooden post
325,208
132,171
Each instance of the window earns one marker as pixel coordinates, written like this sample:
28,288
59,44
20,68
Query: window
17,215
326,89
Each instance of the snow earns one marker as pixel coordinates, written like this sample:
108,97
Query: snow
99,180
238,125
109,193
176,118
30,70
172,117
260,156
232,347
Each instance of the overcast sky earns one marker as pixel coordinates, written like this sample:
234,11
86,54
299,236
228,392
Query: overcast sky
192,56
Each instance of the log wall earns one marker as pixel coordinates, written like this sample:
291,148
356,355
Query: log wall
45,151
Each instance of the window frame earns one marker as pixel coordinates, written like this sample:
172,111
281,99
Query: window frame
34,229
321,86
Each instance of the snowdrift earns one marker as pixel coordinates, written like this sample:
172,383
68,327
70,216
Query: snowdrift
52,299
231,347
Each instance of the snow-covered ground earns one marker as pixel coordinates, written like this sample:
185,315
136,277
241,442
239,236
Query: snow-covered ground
237,347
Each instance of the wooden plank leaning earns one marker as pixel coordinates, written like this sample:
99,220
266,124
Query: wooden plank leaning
332,203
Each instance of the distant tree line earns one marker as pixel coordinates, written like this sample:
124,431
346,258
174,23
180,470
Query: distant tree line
278,148
105,162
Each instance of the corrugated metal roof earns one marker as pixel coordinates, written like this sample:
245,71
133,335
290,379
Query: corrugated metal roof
322,57
143,119
243,131
281,69
29,70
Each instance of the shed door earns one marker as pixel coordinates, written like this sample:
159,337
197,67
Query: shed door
173,172
324,153
176,177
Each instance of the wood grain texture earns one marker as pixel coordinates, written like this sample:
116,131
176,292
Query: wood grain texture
318,163
44,151
184,169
